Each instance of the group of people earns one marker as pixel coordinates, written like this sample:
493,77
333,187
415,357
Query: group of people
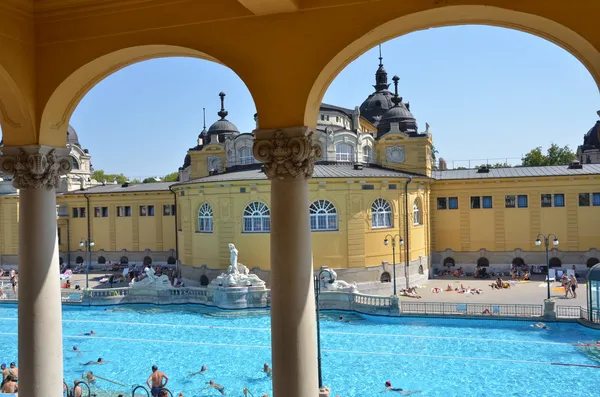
10,378
570,285
410,292
500,284
157,382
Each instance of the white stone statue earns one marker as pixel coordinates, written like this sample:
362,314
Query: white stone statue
330,282
151,280
233,260
237,274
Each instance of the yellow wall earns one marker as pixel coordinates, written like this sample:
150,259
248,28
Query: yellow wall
507,229
417,152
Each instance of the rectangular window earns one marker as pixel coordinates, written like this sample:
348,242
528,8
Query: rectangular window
143,210
510,202
322,117
166,210
453,203
127,210
559,200
120,212
546,200
522,201
475,202
596,199
150,210
75,212
584,199
487,201
97,212
104,212
441,203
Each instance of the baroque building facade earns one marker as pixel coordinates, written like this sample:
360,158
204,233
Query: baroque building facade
373,180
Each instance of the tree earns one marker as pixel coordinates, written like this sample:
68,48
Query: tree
496,165
172,177
135,181
100,176
149,180
555,155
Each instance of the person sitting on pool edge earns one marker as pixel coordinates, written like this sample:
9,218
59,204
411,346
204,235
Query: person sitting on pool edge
213,385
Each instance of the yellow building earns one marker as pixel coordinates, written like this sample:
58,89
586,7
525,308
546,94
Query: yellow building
374,180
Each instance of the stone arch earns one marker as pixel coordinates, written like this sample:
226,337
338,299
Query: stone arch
60,104
555,262
147,260
449,262
16,114
79,259
171,260
204,280
386,277
483,261
101,260
592,262
124,260
518,261
545,28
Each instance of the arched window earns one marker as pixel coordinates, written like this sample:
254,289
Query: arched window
323,216
230,158
449,262
79,259
205,218
484,262
147,260
257,218
367,154
171,260
555,262
344,152
592,262
382,214
245,155
416,213
124,260
74,163
101,260
204,280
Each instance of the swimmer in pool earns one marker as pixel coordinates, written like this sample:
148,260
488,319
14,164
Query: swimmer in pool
98,362
246,392
91,379
76,350
389,387
540,325
267,370
201,372
91,333
213,385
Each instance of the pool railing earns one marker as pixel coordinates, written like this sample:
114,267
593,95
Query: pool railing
472,309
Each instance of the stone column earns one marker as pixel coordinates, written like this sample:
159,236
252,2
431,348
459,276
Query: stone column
36,171
288,155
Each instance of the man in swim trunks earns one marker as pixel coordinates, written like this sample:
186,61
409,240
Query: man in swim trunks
212,384
91,333
14,371
157,381
77,390
99,362
10,386
201,372
5,373
267,370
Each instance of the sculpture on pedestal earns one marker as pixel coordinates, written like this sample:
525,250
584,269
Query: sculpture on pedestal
330,282
151,280
237,275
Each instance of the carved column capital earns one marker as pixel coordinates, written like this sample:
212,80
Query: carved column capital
287,153
35,167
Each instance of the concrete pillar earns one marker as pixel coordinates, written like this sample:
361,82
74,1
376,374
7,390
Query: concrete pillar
36,173
288,156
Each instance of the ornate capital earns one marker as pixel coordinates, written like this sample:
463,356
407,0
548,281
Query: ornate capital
35,167
287,153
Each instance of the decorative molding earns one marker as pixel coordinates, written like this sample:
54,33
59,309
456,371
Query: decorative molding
287,153
35,167
395,154
214,163
6,118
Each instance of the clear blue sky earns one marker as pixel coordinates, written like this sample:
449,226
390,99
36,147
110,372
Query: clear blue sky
486,92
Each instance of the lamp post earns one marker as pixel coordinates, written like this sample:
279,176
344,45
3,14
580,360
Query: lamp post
317,288
401,242
538,242
88,244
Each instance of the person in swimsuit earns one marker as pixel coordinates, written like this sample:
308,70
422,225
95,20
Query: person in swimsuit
91,379
157,381
91,333
5,373
14,371
99,362
201,372
213,385
10,386
267,370
389,387
540,325
77,390
573,285
246,392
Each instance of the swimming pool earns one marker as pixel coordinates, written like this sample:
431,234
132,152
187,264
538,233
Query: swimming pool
441,357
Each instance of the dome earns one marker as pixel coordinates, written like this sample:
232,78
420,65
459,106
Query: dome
72,137
223,127
591,140
399,113
187,161
375,106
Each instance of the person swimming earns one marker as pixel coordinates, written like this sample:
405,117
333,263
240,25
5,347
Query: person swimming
246,392
267,370
98,362
201,372
540,325
91,333
213,385
76,350
389,387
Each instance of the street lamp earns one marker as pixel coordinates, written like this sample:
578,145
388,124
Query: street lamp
317,288
538,242
401,243
88,244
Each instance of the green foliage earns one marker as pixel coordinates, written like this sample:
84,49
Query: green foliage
100,176
149,180
135,181
495,165
554,156
172,177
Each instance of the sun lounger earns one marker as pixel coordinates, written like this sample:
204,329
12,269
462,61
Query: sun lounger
66,275
551,275
570,272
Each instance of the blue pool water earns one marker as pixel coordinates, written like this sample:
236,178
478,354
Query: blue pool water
441,357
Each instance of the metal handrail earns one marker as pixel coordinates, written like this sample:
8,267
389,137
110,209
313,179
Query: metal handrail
139,387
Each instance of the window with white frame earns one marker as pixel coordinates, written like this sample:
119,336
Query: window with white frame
245,155
381,212
344,152
230,158
323,216
257,218
416,213
367,156
205,218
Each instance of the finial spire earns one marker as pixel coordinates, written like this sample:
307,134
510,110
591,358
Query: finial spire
204,118
380,57
222,113
396,99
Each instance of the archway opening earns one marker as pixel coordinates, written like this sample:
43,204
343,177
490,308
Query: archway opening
591,262
124,260
555,262
171,260
483,262
449,262
79,260
385,277
204,281
147,261
101,260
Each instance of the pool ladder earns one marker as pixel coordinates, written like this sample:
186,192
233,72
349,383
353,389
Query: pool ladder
71,393
135,388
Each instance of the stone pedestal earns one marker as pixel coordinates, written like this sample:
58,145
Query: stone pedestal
549,310
324,391
237,297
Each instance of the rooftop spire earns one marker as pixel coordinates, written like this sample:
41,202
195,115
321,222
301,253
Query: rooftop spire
204,118
222,113
396,99
381,81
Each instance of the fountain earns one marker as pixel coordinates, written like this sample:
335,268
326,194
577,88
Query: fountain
237,288
330,282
